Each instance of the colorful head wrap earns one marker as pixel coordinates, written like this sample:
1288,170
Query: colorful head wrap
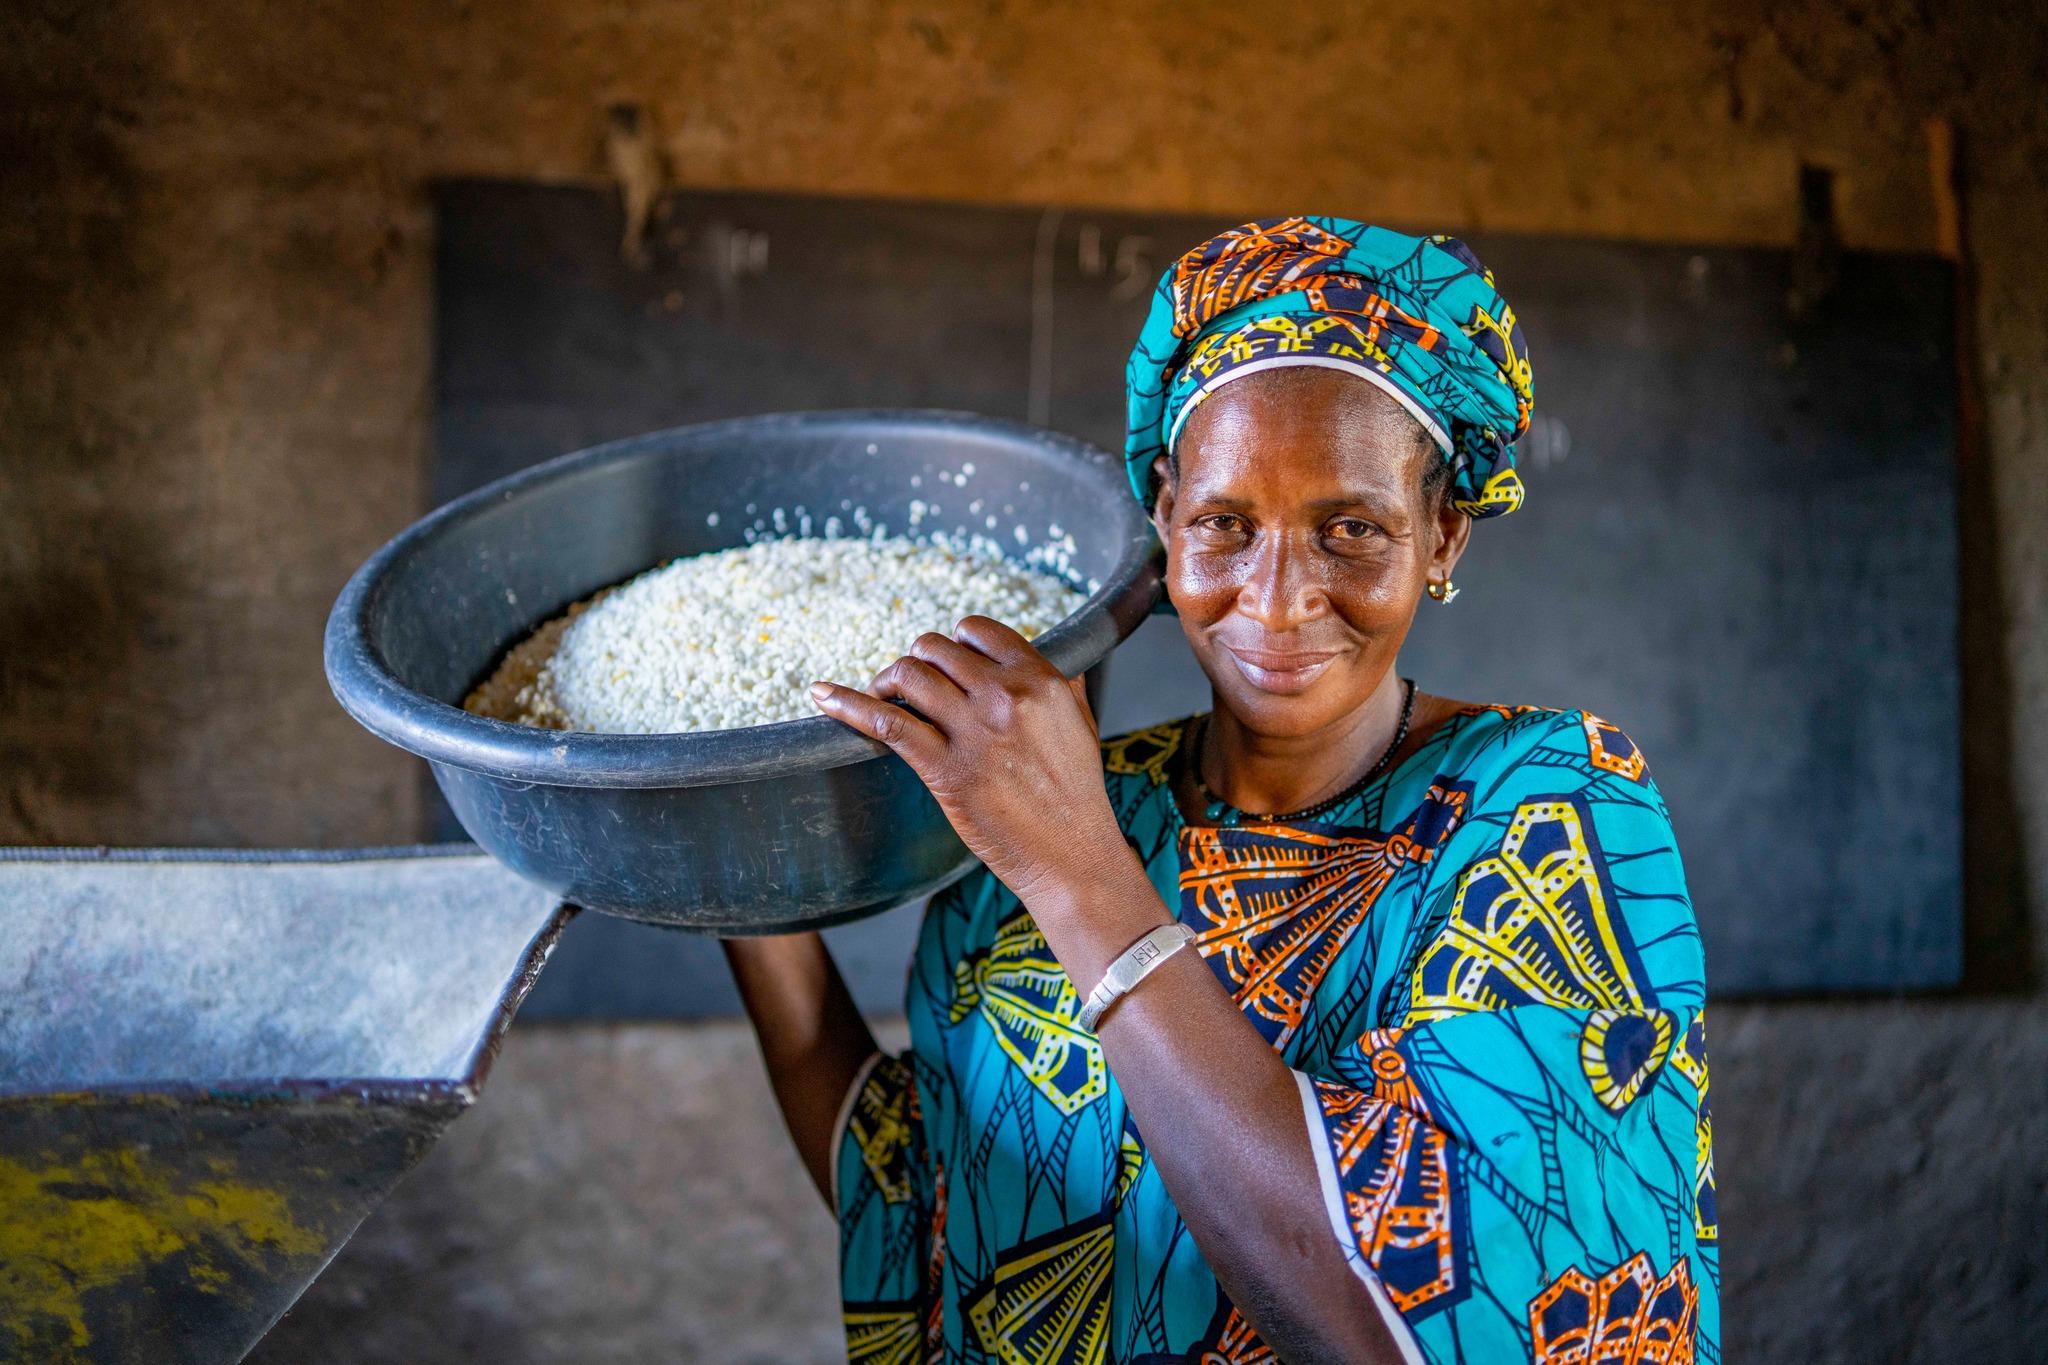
1418,316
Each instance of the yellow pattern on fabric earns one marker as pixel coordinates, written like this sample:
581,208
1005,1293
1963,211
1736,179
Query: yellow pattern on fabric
1143,752
1050,1306
1278,335
881,1125
1283,335
1031,1004
1689,1066
1515,368
1546,933
1130,1162
1703,1180
1693,1066
1500,495
891,1336
1613,1091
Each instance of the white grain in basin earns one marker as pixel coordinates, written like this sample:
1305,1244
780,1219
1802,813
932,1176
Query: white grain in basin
736,637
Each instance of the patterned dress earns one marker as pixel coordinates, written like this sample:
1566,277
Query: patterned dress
1485,972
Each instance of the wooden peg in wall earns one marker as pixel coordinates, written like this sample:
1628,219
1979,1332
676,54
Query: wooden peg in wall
636,165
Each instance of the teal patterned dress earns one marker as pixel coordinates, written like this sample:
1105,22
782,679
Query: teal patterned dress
1485,972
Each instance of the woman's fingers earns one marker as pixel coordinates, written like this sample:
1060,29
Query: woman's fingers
912,737
922,685
1019,658
942,678
999,642
966,667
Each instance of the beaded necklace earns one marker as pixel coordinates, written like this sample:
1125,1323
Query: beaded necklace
1223,813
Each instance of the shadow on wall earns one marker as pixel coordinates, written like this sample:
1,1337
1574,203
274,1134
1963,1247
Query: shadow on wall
90,477
2000,954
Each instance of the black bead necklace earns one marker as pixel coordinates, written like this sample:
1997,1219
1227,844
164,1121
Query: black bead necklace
1223,813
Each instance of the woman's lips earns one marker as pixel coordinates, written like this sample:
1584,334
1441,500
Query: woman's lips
1283,672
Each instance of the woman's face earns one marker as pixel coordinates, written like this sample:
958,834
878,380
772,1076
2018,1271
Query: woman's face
1299,541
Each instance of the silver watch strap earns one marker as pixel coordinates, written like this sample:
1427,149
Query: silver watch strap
1133,965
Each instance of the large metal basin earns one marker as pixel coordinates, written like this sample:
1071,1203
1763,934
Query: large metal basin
760,830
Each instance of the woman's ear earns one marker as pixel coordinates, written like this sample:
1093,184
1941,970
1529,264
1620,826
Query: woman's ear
1454,532
1162,501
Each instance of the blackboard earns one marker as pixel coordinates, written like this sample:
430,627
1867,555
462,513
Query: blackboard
1739,544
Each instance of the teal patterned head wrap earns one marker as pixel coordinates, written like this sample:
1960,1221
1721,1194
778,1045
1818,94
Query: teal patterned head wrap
1418,316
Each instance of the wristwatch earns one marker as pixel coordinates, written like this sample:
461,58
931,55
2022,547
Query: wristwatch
1133,965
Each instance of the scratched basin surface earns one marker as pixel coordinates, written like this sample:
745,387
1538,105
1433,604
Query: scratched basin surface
212,1067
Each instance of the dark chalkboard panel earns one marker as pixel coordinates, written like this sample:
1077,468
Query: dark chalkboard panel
1740,541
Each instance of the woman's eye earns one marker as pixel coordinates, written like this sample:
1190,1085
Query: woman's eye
1351,528
1223,523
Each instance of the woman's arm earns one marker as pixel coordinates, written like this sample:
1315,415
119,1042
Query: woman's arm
1222,1117
813,1039
999,738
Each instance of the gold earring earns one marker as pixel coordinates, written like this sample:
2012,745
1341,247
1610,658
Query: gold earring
1442,590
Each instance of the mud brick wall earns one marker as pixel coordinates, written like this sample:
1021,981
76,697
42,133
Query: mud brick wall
214,387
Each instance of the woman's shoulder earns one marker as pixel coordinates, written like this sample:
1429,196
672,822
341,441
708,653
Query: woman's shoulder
1481,739
1470,739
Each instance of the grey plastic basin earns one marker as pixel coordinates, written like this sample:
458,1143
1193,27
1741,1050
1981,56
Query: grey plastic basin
767,829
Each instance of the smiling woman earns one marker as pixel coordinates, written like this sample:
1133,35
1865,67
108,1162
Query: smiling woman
1303,516
1433,1084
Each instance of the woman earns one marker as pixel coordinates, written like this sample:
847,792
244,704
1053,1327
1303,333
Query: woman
1431,1083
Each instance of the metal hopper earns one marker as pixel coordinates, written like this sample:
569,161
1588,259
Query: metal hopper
214,1064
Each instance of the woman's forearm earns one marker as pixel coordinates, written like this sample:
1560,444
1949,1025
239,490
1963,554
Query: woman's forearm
812,1037
1222,1119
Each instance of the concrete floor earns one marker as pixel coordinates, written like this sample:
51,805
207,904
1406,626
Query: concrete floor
627,1194
621,1193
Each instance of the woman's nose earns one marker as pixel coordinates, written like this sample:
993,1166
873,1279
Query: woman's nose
1280,591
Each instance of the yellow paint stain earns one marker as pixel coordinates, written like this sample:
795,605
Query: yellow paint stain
68,1230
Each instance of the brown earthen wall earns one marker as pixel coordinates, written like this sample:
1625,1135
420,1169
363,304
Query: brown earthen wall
214,349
